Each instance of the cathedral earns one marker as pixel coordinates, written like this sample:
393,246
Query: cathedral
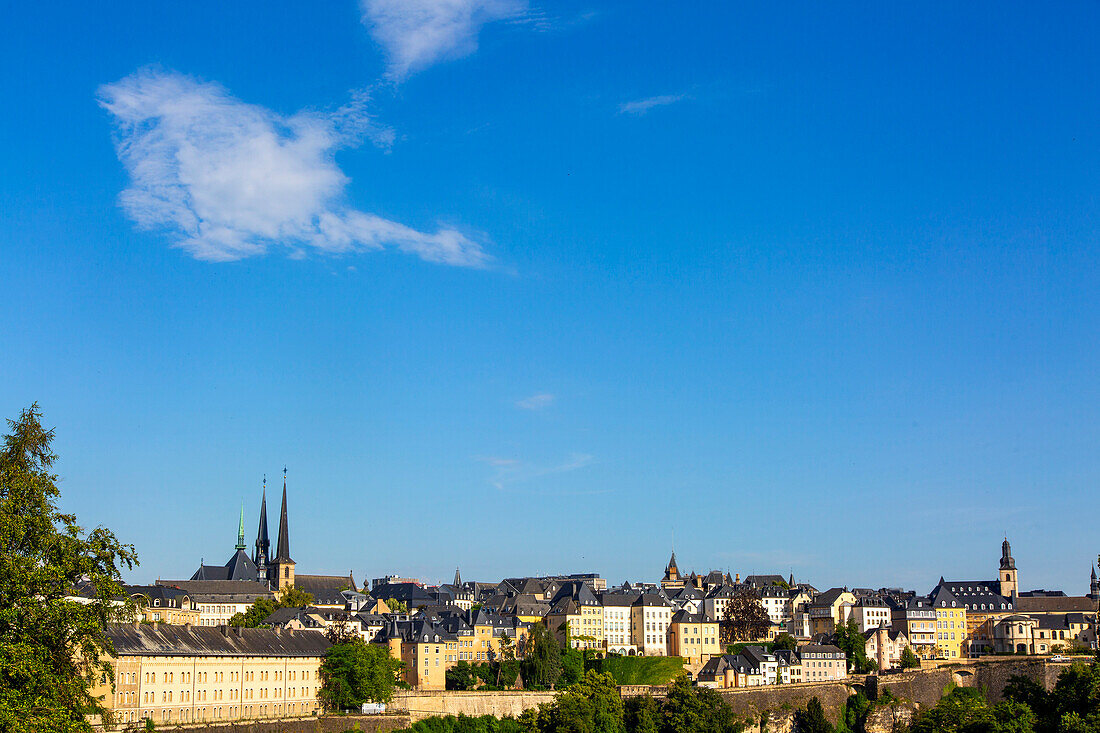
276,573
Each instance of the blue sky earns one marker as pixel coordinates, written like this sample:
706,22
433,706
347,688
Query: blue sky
527,288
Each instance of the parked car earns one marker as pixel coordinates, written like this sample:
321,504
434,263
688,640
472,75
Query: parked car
1059,658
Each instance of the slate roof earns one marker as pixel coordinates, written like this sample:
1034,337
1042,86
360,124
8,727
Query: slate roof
221,591
759,581
619,599
163,640
716,666
168,597
577,591
651,599
974,594
820,649
1055,604
829,597
722,591
326,589
685,617
410,594
239,567
689,593
757,655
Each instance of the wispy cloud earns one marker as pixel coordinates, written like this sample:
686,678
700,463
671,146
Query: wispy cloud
640,106
509,471
418,33
228,180
535,402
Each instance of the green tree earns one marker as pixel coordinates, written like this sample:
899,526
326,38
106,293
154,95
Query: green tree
261,608
784,641
1013,717
354,672
812,719
397,606
962,709
642,714
294,598
592,705
909,659
852,643
542,663
52,650
745,618
461,677
697,709
1027,691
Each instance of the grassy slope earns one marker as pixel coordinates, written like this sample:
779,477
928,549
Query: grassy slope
643,670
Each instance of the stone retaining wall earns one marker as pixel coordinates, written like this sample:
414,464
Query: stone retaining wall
324,724
423,704
921,688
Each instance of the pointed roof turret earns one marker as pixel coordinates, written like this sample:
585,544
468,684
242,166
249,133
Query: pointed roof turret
1007,563
240,530
458,578
1093,572
283,554
263,544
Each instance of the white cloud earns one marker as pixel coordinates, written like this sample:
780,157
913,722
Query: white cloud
512,470
418,33
229,180
535,402
641,106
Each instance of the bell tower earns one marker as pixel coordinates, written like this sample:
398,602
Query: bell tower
1009,581
281,575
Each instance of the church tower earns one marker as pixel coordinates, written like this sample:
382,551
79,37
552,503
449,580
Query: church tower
282,567
262,551
672,577
1009,584
1094,585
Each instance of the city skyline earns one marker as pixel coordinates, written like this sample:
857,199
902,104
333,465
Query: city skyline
531,289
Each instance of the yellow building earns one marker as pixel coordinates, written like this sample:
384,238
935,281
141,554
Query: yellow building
167,605
829,610
193,674
576,613
428,651
917,619
951,629
692,636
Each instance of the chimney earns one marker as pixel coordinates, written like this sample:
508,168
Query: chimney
187,627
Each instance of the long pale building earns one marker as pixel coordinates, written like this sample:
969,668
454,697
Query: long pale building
194,674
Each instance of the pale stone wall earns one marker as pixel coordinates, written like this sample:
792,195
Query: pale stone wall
422,704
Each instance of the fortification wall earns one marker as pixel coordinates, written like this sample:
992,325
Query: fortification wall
422,704
922,688
753,702
323,724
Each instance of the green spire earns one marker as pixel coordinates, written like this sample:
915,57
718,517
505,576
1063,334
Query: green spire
240,531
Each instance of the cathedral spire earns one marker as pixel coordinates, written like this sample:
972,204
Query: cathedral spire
458,578
283,553
263,544
240,530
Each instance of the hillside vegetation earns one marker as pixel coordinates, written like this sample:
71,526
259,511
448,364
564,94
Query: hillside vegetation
639,670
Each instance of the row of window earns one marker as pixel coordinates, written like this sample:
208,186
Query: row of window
202,677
